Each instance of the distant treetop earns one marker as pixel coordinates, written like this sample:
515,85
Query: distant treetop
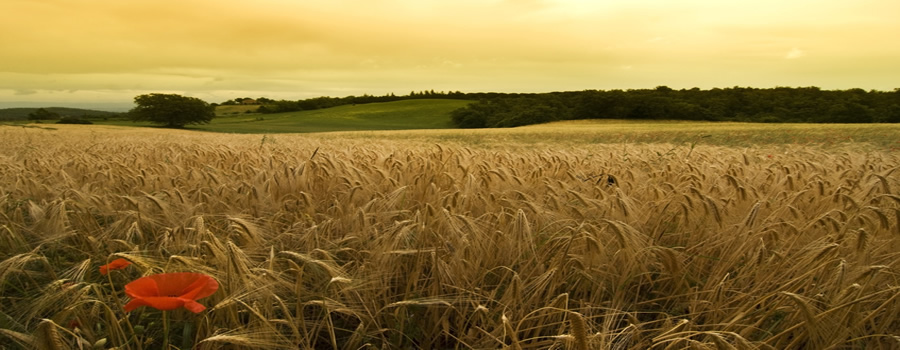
171,110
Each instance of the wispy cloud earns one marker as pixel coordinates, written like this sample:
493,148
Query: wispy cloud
289,48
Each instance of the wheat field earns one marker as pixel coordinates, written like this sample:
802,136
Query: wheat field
335,242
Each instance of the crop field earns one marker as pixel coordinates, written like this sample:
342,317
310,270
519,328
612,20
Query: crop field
397,115
575,235
410,114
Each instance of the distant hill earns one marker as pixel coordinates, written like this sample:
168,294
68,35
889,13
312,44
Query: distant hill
22,113
227,110
396,115
92,105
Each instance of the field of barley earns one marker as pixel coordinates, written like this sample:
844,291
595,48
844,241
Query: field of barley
532,238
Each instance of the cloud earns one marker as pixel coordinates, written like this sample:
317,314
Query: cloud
292,49
795,53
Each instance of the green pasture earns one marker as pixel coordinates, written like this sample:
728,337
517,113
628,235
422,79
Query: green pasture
232,110
399,115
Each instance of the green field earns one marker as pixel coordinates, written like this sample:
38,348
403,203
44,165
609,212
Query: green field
233,110
399,115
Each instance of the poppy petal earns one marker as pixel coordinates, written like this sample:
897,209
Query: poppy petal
201,288
175,284
193,306
134,304
117,264
166,283
142,287
169,291
162,303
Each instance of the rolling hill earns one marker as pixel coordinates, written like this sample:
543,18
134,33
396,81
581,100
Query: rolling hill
397,115
9,114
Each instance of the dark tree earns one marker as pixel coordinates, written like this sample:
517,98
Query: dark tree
171,110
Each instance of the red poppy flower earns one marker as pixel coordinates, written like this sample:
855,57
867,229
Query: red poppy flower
169,291
117,264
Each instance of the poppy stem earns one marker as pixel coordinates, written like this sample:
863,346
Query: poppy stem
165,330
115,296
187,339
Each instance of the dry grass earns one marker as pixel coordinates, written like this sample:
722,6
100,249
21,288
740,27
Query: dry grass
332,242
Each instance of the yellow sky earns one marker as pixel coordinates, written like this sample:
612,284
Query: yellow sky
112,50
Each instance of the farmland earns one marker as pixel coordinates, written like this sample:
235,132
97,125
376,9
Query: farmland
580,235
410,114
397,115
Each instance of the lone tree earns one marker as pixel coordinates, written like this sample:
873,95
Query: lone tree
171,110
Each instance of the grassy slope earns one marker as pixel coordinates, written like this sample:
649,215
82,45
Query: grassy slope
399,115
231,110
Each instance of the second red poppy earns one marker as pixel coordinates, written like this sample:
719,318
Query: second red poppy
117,264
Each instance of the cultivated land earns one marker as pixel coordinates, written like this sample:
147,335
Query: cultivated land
709,235
398,115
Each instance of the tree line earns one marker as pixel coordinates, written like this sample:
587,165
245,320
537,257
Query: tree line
780,104
492,110
745,104
281,106
64,115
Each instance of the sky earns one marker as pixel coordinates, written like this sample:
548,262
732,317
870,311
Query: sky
109,51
